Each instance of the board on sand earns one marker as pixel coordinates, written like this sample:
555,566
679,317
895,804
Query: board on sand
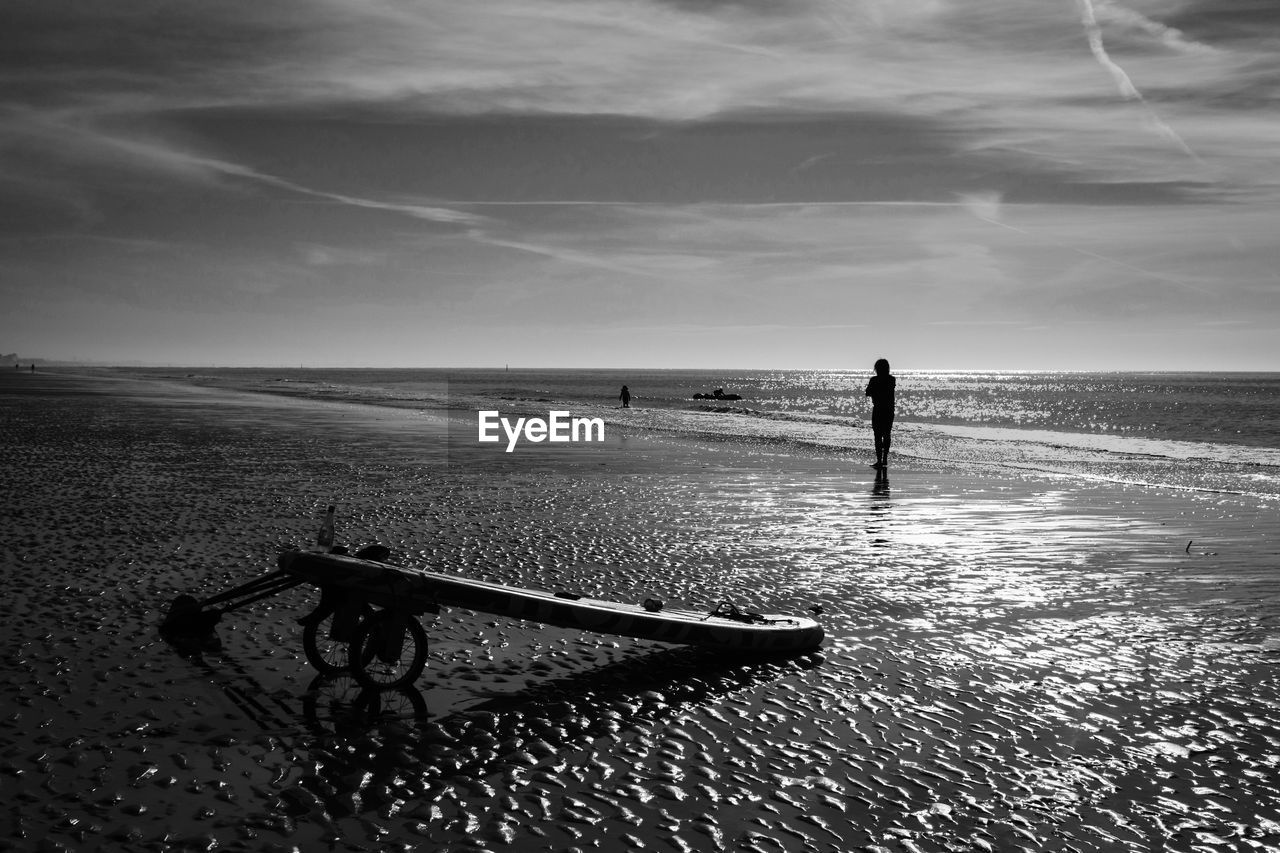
417,591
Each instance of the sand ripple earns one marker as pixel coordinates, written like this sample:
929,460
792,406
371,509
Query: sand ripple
1010,665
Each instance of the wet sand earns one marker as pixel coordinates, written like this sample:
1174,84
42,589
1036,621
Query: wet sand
1012,662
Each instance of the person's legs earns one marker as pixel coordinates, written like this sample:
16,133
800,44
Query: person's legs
880,427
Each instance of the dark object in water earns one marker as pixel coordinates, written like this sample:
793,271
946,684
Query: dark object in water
717,394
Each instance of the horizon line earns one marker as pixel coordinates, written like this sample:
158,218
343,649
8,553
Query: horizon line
55,363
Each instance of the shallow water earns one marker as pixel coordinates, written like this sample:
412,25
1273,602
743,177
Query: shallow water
1212,432
1010,663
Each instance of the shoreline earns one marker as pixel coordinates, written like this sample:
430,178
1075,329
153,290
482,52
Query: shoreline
1013,659
1244,468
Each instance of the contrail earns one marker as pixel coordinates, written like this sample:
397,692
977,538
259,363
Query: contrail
175,159
1129,91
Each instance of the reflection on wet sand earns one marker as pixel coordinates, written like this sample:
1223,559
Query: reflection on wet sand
407,752
880,485
1010,664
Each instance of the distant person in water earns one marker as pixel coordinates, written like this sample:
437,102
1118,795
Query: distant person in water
625,397
880,390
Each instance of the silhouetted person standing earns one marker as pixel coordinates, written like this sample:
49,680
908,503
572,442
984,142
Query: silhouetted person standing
625,397
880,390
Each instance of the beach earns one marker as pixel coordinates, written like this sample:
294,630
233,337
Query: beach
1013,660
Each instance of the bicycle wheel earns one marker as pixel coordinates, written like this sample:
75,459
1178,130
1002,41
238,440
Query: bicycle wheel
389,650
327,655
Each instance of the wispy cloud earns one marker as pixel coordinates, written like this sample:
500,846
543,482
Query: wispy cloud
990,70
734,165
88,145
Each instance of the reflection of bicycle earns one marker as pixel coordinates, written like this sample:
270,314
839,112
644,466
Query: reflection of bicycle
389,650
334,703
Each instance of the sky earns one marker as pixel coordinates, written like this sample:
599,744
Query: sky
959,184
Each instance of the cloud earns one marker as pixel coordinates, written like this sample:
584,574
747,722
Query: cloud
984,205
122,159
982,71
738,163
1094,32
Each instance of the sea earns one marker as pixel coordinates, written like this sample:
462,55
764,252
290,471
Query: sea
1211,432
